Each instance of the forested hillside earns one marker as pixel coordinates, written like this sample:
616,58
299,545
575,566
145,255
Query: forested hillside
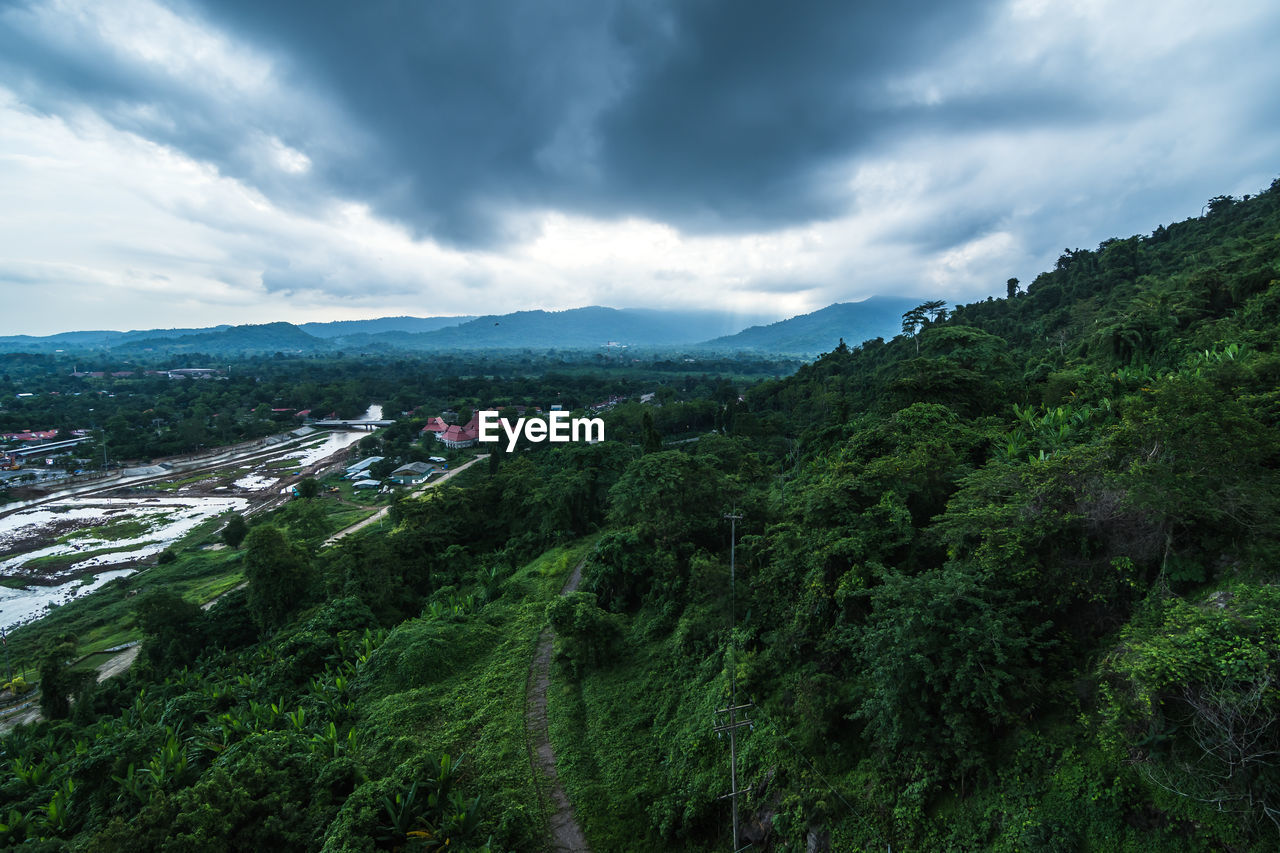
1009,579
1006,581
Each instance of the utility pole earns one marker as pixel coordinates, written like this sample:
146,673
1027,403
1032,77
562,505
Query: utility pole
7,659
103,434
734,708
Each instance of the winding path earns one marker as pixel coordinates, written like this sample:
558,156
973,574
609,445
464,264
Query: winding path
566,835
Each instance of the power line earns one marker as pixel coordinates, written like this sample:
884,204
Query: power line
778,731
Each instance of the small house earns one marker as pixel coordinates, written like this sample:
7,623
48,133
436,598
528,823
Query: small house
412,474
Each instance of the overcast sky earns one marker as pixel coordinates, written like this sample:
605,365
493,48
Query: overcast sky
185,164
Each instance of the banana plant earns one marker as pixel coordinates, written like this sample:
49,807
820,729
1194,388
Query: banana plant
327,741
401,810
15,829
31,774
460,819
140,713
135,783
369,643
233,725
443,782
170,762
264,715
58,813
491,583
298,719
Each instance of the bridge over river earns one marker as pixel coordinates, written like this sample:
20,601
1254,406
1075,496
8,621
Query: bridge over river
358,423
371,420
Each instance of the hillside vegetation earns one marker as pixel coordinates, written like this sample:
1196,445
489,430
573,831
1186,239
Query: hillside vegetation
1007,581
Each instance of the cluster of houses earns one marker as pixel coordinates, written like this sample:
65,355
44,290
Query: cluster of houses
34,444
33,435
412,474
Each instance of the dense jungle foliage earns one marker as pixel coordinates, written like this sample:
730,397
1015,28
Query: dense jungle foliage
1004,582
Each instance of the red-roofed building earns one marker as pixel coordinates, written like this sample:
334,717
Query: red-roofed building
435,425
30,435
457,437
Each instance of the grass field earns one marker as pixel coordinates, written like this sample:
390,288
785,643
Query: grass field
122,528
174,485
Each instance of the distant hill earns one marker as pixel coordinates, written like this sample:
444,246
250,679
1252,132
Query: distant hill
579,328
101,339
346,328
821,331
17,343
265,338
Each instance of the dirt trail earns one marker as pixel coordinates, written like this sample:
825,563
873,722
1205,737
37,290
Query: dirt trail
26,713
566,835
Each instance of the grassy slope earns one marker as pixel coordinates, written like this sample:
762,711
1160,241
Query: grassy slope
456,685
621,731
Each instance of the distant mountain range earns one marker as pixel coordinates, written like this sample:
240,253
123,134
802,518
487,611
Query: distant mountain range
347,328
575,329
822,331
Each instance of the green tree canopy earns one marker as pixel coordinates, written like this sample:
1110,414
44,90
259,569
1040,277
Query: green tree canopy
278,573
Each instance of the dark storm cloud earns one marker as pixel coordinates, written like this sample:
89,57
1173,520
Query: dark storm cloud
708,115
461,105
57,72
738,113
946,228
712,116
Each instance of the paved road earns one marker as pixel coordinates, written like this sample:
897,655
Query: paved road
29,711
382,513
218,598
119,663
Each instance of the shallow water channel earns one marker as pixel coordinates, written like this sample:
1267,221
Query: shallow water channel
77,537
63,548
